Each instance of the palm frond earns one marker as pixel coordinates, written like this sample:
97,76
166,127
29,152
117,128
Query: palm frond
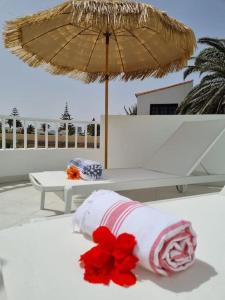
213,42
189,70
207,97
213,78
213,102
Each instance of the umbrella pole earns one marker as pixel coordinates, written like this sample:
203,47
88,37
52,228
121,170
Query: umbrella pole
107,35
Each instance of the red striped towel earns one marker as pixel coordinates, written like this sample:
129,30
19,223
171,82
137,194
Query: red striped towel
165,243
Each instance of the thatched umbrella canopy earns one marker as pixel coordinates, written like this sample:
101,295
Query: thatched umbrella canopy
102,40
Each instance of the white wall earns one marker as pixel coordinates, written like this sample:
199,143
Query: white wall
14,163
134,139
173,94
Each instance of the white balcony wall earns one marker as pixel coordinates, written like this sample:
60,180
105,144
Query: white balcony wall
16,164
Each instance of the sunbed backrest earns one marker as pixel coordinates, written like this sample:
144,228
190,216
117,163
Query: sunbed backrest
185,149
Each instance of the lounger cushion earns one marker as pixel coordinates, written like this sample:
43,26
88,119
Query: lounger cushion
40,260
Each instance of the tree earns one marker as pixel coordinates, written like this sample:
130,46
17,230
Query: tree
91,129
132,111
207,97
14,113
67,116
30,129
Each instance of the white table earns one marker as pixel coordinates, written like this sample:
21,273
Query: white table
40,260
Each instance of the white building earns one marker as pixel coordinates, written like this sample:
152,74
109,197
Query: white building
162,101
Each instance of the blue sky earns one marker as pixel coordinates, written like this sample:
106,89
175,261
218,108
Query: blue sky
38,94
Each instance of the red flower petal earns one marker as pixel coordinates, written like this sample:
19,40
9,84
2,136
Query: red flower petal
111,259
119,255
97,277
127,264
126,243
103,236
97,257
123,279
73,173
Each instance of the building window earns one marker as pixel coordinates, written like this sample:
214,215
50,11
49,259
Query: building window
163,109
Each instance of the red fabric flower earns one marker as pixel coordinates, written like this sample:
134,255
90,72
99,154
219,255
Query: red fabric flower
73,173
112,259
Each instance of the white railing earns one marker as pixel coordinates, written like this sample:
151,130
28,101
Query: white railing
18,132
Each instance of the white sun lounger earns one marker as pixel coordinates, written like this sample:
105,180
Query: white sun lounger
171,165
40,260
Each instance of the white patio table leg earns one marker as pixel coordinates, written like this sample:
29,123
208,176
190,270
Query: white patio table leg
68,192
42,200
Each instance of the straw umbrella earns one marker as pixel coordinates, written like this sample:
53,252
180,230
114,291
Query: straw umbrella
101,40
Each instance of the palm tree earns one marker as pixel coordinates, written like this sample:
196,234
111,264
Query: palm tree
208,97
132,111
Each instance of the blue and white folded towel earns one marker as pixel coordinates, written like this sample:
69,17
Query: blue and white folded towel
89,169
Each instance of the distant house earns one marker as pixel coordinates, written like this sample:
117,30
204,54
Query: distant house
79,131
163,101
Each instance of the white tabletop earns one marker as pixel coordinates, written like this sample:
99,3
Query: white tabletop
40,260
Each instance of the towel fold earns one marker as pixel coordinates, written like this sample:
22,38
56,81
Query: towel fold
165,243
89,169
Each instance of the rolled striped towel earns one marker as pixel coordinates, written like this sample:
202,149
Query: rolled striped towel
165,243
89,169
